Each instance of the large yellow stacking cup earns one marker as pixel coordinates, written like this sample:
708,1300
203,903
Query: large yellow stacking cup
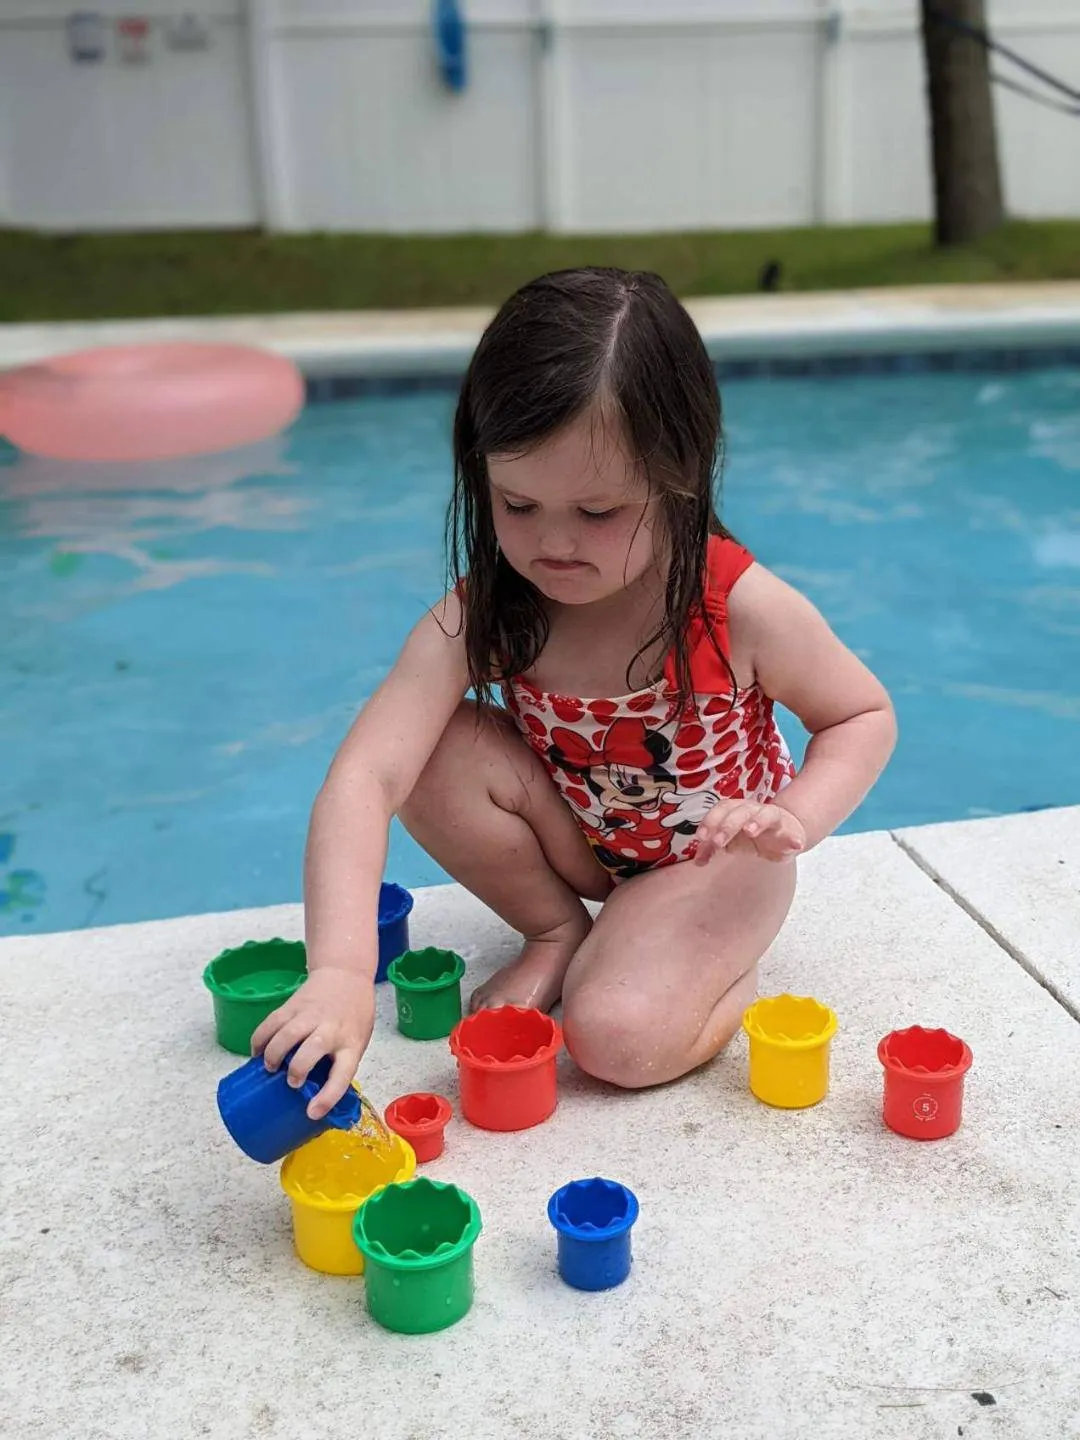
327,1181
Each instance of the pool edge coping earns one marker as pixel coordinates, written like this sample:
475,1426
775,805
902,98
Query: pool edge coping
439,342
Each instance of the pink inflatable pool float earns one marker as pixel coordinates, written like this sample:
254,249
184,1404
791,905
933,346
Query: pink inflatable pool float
149,402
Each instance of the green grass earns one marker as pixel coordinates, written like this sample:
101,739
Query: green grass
49,277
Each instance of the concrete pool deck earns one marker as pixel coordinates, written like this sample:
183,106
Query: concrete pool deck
797,1274
938,317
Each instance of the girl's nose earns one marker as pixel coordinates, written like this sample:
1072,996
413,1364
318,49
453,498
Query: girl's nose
557,545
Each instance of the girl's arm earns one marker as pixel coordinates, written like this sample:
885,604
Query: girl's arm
799,662
370,778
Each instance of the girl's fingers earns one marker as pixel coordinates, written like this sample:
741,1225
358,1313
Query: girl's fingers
290,1034
779,846
265,1032
764,820
705,839
341,1077
744,824
307,1055
734,821
713,833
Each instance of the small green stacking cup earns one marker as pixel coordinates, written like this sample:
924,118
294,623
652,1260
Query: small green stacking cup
249,982
417,1240
427,985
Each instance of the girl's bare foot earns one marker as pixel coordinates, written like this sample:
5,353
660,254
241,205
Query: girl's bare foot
535,978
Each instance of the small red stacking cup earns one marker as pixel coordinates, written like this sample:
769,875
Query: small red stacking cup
420,1119
924,1082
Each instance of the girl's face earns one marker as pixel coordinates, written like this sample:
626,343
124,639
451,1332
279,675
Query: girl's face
574,514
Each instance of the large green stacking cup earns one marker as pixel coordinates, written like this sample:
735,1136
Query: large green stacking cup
417,1242
248,983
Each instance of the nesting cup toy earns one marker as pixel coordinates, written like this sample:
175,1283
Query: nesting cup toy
593,1220
427,986
327,1181
417,1242
395,907
924,1082
420,1119
250,982
789,1050
268,1118
506,1067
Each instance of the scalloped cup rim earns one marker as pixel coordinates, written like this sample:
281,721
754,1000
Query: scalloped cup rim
547,1051
427,1124
450,976
751,1023
443,1253
320,1200
403,902
223,989
588,1231
939,1073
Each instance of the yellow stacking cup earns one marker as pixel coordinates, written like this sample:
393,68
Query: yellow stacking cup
789,1050
327,1181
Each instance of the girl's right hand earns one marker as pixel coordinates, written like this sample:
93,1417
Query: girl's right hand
332,1013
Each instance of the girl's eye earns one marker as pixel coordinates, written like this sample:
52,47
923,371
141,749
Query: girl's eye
600,514
512,509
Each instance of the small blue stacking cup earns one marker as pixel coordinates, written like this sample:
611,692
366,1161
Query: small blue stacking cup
593,1219
395,905
268,1119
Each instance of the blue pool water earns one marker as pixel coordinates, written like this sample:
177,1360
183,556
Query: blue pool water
182,646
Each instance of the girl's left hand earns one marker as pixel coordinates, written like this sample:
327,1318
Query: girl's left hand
770,830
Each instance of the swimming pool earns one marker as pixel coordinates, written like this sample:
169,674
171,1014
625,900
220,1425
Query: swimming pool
183,645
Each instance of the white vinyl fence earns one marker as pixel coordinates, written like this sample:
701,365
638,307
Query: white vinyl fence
579,115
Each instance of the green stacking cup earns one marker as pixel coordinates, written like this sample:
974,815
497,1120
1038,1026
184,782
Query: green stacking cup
427,985
249,982
417,1241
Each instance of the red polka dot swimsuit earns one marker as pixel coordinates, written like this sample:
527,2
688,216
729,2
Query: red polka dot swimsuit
638,776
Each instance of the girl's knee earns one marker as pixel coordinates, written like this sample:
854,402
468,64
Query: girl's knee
430,784
612,1037
478,753
457,756
615,1034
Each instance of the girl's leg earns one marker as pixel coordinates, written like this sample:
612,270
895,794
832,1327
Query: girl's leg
661,982
485,808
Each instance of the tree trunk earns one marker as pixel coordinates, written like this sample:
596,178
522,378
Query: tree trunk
967,177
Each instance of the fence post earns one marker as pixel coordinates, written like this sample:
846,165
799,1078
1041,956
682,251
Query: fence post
551,119
833,189
269,157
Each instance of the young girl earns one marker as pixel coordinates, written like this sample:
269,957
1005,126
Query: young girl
638,650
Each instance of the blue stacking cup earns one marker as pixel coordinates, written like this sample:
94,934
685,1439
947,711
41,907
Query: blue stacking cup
268,1119
593,1219
395,905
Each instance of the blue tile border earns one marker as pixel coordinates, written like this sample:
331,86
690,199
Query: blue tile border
1001,360
323,388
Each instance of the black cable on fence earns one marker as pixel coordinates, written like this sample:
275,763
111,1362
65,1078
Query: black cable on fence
1045,100
983,38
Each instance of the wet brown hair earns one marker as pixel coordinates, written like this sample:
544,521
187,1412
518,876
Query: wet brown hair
561,344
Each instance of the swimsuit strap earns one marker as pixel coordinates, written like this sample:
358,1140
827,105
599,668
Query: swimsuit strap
707,630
